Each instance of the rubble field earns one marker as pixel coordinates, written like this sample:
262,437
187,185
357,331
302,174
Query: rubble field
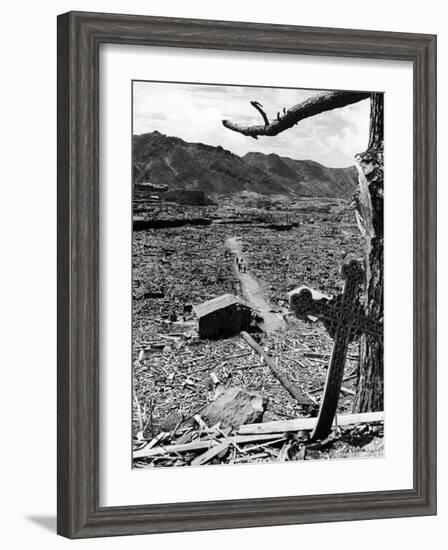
176,375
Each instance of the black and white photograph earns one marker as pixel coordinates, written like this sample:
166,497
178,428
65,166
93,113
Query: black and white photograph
257,274
220,300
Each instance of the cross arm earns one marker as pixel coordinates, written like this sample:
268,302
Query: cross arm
310,305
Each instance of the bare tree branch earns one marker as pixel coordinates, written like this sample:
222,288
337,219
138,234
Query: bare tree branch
259,106
319,103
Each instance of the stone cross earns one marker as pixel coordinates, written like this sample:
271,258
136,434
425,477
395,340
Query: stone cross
344,318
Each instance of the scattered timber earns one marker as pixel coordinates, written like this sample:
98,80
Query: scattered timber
278,373
278,441
308,424
200,445
211,453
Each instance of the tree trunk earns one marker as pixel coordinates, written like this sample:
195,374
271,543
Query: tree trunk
370,164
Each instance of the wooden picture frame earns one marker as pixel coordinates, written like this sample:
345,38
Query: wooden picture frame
79,38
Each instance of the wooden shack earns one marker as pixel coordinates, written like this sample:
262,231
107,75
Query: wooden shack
222,316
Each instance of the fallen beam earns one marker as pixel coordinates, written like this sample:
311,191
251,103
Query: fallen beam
277,372
308,424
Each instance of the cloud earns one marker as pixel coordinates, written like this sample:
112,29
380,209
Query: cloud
194,113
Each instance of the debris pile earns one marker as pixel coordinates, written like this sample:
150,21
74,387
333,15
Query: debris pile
309,254
261,442
179,378
176,376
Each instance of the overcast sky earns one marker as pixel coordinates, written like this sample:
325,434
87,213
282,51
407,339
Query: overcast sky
194,112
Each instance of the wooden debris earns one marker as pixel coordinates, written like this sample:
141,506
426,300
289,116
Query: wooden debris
185,437
197,265
210,454
199,445
278,373
263,445
308,423
201,423
156,440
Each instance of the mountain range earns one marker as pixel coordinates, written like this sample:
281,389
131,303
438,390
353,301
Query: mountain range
171,161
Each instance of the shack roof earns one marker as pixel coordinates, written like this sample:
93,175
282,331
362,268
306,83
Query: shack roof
218,303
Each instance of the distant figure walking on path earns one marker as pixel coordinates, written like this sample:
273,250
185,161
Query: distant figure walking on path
252,292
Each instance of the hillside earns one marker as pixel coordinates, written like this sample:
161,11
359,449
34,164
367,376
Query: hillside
306,177
171,161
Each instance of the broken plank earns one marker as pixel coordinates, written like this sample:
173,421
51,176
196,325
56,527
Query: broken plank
210,454
307,424
156,440
264,445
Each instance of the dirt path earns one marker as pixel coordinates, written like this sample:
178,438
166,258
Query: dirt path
253,293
